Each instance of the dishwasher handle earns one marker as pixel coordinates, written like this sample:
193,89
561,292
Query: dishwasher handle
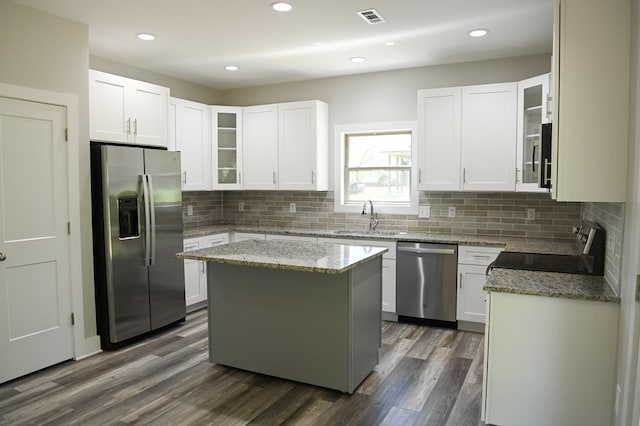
426,250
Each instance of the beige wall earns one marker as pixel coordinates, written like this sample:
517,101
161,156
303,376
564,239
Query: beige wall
49,53
179,88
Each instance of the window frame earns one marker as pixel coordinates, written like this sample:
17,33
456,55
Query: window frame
340,133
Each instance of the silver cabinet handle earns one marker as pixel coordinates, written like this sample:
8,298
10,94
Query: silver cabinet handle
184,177
3,257
128,126
517,175
460,282
427,250
239,178
135,127
313,177
419,175
464,175
274,178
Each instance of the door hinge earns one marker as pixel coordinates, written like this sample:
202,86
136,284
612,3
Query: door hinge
73,319
68,228
66,134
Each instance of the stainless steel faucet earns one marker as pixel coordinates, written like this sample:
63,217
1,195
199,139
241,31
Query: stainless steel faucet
373,218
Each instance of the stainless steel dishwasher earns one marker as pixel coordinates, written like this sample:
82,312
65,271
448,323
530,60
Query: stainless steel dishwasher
426,281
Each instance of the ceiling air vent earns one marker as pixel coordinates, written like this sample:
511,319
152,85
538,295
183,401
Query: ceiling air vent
371,16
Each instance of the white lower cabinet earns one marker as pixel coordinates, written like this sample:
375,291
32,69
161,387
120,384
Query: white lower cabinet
472,267
549,361
195,271
388,267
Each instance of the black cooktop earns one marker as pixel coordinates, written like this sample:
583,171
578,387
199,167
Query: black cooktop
569,264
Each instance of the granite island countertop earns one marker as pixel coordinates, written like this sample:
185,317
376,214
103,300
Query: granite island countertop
291,255
551,284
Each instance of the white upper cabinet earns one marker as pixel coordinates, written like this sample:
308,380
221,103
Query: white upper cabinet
226,132
533,102
190,133
127,111
467,138
439,115
488,137
260,147
303,146
285,146
591,100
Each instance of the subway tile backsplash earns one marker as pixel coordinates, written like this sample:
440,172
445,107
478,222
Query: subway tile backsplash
482,214
207,209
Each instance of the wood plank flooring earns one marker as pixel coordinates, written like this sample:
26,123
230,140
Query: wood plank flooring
426,376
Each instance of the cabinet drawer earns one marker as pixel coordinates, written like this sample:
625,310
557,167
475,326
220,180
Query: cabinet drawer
215,240
474,255
191,244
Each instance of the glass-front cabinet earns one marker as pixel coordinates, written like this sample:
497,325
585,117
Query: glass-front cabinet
226,123
533,102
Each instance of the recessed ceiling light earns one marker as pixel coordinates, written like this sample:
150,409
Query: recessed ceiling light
357,59
146,36
390,43
478,33
231,68
281,6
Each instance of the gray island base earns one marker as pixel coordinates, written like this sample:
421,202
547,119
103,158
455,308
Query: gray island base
300,311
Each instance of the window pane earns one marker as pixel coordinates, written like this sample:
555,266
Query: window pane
379,150
379,185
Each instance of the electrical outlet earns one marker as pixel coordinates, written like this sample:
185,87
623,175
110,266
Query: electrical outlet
189,210
292,207
241,206
531,214
452,211
424,212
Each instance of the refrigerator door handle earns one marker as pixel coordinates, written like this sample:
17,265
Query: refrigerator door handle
147,221
152,215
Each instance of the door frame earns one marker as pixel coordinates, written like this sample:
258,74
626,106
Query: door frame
82,346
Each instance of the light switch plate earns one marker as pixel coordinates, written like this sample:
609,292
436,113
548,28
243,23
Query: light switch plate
241,206
452,211
424,212
292,207
189,210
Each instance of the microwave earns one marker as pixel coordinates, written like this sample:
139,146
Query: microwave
544,177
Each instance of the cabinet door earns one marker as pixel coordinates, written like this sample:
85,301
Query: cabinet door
260,147
148,110
226,142
591,100
303,145
489,137
439,115
194,276
193,140
471,297
108,118
389,285
533,95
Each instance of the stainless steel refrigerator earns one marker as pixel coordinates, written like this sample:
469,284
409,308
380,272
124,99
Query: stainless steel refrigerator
137,230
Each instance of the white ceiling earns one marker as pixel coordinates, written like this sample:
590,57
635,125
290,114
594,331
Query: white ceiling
197,38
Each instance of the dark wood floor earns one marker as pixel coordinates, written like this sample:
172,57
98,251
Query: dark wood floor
427,376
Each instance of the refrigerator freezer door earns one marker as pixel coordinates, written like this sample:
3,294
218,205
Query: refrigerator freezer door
166,272
126,274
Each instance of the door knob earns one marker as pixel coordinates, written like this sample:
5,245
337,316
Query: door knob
3,257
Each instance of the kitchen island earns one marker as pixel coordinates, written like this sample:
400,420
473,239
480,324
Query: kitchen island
296,310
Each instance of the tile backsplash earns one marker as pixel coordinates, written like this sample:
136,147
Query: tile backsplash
482,214
611,217
207,208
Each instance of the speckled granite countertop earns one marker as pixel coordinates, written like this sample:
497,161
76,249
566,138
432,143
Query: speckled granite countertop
291,255
510,244
551,284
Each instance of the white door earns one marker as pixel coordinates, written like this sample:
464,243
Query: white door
148,111
108,115
35,307
489,117
439,115
297,145
260,147
471,296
